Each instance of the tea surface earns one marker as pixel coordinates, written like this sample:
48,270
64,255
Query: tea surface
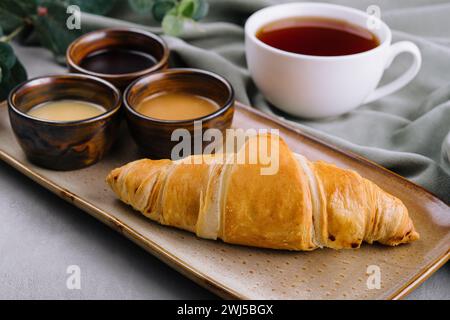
317,36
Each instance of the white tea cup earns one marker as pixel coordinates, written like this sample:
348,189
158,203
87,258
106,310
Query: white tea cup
321,86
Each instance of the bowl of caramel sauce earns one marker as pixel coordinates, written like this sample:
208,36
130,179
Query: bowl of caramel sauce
192,100
65,122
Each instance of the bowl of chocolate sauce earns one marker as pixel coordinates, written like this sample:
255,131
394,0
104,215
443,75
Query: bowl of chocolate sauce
118,55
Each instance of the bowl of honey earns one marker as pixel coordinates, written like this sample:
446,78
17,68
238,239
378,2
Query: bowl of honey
163,106
65,122
118,55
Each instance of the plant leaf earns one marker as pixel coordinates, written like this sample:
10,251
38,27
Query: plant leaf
4,87
20,8
9,21
201,10
7,56
11,78
52,30
141,6
13,13
172,25
187,8
27,7
18,74
100,7
162,8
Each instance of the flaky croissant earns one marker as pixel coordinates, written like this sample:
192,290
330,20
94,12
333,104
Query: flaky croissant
304,206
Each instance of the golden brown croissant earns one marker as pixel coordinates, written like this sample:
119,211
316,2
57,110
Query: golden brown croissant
304,206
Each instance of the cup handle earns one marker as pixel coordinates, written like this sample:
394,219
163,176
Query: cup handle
403,80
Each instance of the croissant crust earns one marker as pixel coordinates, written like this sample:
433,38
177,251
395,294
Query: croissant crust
304,206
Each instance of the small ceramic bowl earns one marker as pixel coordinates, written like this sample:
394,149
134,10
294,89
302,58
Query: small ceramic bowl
65,145
115,38
153,136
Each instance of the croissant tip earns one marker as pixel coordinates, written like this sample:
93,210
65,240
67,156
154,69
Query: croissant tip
409,237
414,236
112,176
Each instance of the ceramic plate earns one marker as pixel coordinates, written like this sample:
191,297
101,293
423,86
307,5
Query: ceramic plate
249,273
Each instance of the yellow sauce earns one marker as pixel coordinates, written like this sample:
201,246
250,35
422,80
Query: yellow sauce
66,110
176,106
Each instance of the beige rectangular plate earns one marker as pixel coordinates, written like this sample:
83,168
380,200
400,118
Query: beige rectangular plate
250,273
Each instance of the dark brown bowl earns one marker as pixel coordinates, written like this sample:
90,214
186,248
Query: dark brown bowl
118,38
153,136
65,145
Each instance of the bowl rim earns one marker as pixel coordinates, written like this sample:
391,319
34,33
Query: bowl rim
160,63
182,71
76,76
252,36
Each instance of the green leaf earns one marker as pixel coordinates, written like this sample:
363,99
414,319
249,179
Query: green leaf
100,7
201,10
14,12
5,84
20,8
11,78
141,6
9,21
1,32
172,25
27,7
7,56
52,30
18,74
162,8
187,8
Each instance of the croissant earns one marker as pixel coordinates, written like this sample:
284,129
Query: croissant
304,206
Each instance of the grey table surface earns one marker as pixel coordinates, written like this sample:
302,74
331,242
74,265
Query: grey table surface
42,235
